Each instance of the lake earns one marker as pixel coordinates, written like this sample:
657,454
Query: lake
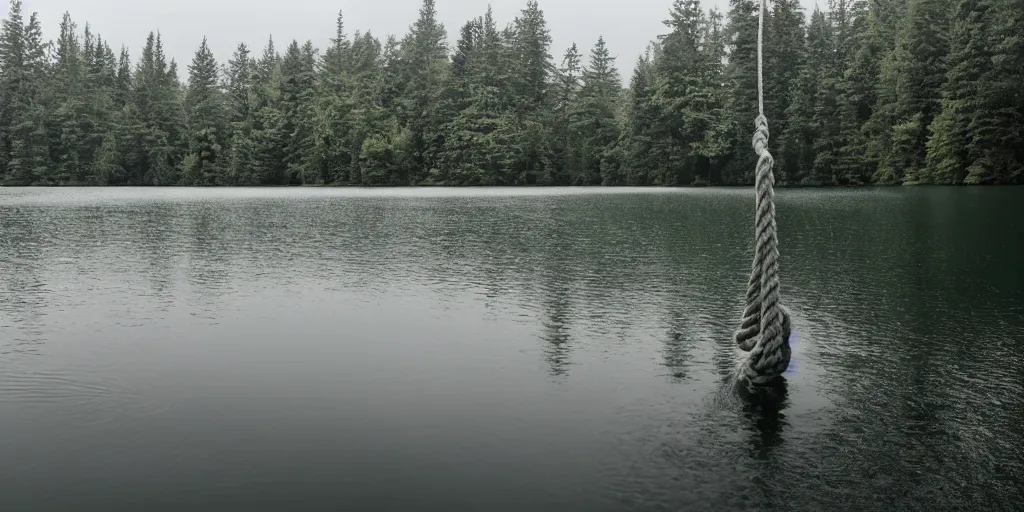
504,349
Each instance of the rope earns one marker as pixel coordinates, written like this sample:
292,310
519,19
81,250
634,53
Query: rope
765,328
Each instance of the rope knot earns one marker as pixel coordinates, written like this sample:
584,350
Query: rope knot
765,329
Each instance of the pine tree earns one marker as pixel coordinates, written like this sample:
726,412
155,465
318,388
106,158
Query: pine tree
1005,92
29,161
239,104
67,91
158,110
473,147
368,115
800,138
269,137
741,103
641,125
296,102
12,76
207,122
916,70
868,102
833,120
532,43
785,53
687,92
712,95
451,168
330,113
853,98
529,67
123,80
566,144
425,65
595,123
23,115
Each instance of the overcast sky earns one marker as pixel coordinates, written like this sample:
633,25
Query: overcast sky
627,25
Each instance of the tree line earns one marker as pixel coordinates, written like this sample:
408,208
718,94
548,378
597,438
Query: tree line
869,91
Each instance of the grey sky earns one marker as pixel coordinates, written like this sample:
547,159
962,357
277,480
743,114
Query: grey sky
626,25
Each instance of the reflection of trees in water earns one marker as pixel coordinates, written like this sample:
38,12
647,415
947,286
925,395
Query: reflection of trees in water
907,329
556,254
902,426
605,270
211,230
705,254
556,305
764,419
154,232
557,352
22,270
679,342
764,409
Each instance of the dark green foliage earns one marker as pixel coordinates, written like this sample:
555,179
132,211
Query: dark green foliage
594,123
741,102
976,137
422,74
917,70
205,108
800,138
869,91
784,56
473,153
641,139
157,112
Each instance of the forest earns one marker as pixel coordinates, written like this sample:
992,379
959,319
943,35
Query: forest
867,92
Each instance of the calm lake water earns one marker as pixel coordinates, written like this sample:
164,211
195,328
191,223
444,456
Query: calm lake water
504,350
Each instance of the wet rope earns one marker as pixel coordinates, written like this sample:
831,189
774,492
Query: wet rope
765,328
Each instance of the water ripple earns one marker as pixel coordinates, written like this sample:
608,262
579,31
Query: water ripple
517,349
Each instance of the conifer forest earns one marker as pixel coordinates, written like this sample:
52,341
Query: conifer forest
865,92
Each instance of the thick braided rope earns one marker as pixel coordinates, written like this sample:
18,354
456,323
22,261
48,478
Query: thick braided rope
765,328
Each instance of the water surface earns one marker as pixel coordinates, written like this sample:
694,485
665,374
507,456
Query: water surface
498,349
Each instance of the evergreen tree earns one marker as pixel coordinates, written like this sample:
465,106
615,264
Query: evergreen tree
240,103
873,91
867,101
741,101
833,120
269,136
332,158
296,103
67,91
24,117
688,92
206,120
123,80
158,110
713,149
785,53
368,115
595,124
566,144
799,141
527,129
1005,92
474,152
916,72
425,66
12,77
641,133
451,168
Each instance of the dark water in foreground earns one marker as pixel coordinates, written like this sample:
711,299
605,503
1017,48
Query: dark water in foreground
503,350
